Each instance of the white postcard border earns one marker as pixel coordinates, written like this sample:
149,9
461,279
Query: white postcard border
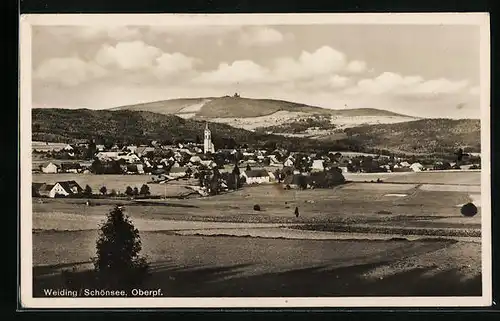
26,291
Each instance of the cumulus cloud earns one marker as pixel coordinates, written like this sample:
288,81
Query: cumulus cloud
128,55
323,61
261,36
124,57
239,71
356,66
394,83
68,71
169,64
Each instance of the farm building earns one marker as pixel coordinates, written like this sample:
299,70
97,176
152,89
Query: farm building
65,188
257,176
49,168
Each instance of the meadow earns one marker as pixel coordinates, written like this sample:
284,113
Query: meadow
221,246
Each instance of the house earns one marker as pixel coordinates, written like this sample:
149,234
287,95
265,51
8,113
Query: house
178,172
70,167
65,188
318,165
68,148
40,189
417,167
289,162
49,168
100,147
257,176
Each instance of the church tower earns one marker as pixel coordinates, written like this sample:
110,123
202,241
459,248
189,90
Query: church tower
208,146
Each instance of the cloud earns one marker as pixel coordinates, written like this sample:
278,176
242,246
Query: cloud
261,36
126,60
69,71
239,71
393,83
128,55
323,61
356,66
170,64
337,81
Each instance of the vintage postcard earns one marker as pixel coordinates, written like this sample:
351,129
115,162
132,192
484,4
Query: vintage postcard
312,160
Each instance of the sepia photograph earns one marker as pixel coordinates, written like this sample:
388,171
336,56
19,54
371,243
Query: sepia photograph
255,160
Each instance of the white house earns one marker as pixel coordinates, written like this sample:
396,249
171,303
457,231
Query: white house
68,148
288,162
318,165
256,176
416,167
49,168
65,188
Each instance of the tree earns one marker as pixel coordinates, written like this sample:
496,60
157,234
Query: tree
118,265
112,193
136,191
248,167
129,191
144,190
103,190
236,177
87,191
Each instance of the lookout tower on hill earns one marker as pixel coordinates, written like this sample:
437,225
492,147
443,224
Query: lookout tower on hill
208,146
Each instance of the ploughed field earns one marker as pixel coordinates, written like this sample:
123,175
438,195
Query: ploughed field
356,239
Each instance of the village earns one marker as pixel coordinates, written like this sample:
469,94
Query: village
216,171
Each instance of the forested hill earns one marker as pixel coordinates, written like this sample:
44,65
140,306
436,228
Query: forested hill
427,136
67,125
421,136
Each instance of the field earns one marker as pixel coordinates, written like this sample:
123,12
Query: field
364,238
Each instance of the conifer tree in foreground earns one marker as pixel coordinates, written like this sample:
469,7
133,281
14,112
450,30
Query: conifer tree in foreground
118,265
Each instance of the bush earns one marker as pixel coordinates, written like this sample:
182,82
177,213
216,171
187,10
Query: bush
118,265
469,210
256,207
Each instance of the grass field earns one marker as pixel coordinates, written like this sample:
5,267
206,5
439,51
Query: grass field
191,266
188,262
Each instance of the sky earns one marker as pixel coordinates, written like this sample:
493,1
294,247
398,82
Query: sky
418,70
